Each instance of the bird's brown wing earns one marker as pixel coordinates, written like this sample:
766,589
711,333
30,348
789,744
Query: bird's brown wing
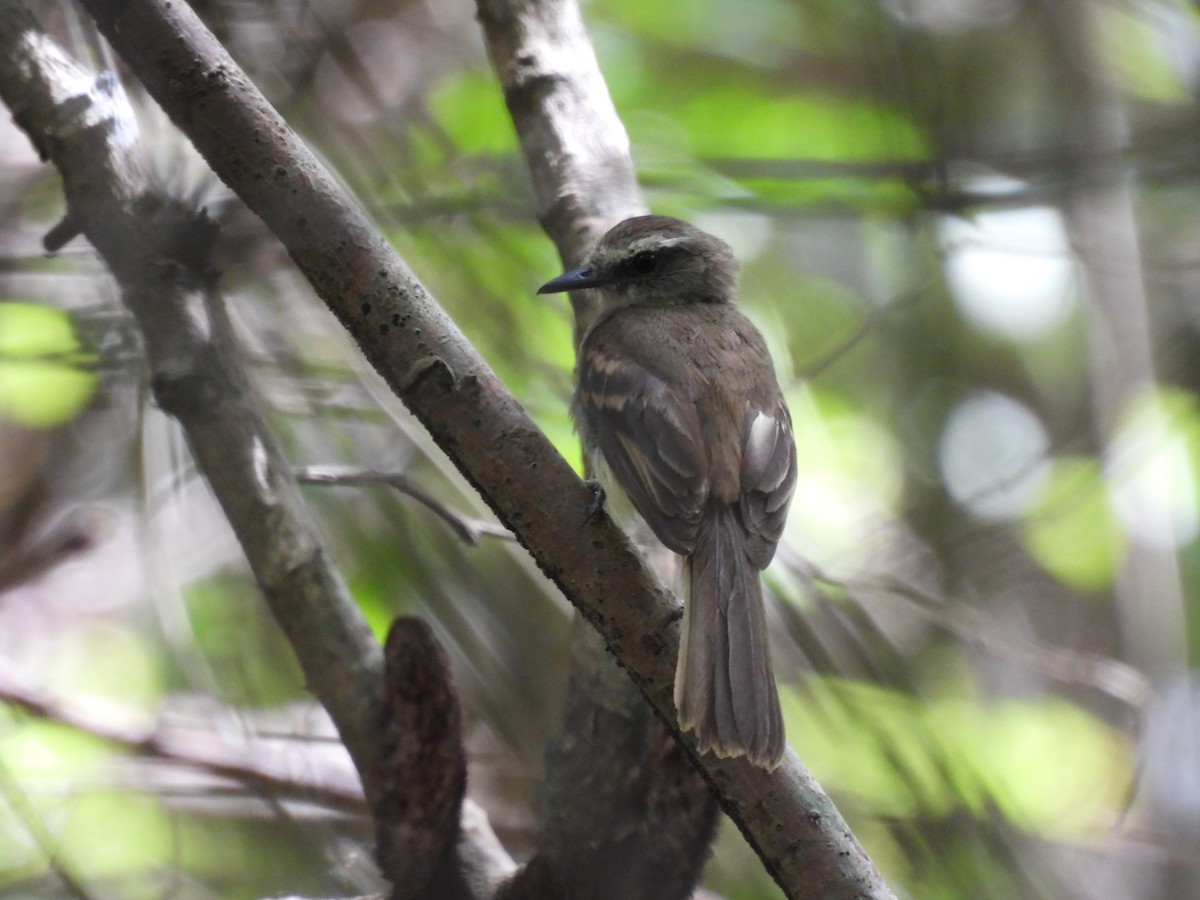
650,438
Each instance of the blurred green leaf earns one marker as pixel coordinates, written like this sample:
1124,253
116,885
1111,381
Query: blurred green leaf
1138,48
469,107
850,476
1153,465
1071,529
113,834
29,330
50,755
370,599
41,383
1048,765
99,659
763,33
252,664
759,125
40,763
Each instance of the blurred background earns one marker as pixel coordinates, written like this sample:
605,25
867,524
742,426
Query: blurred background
970,230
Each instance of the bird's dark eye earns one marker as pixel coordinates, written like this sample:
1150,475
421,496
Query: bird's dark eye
644,263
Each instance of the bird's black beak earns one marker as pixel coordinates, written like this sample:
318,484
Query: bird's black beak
573,280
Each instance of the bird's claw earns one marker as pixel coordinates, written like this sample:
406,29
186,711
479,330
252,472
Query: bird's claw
597,502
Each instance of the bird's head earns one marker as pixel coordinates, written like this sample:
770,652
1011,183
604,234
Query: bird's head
654,261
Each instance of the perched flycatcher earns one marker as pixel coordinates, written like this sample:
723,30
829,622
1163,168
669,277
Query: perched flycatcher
677,406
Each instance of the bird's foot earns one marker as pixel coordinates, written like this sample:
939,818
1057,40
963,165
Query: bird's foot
597,502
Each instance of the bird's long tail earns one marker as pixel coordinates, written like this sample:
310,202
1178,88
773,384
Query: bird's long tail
724,689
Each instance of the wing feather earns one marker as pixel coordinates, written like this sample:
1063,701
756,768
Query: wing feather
768,479
650,438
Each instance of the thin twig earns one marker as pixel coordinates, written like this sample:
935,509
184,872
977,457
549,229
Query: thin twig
470,529
151,743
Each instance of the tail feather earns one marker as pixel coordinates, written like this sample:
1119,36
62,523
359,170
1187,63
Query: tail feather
724,689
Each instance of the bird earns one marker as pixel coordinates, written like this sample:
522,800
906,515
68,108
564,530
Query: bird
681,416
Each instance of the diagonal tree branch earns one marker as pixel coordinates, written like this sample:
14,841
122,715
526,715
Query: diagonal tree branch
427,362
468,528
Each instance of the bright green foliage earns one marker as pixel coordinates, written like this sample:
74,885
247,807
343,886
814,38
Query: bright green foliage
1072,530
470,108
849,478
810,127
115,836
1139,49
99,660
42,383
1049,766
249,662
46,752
